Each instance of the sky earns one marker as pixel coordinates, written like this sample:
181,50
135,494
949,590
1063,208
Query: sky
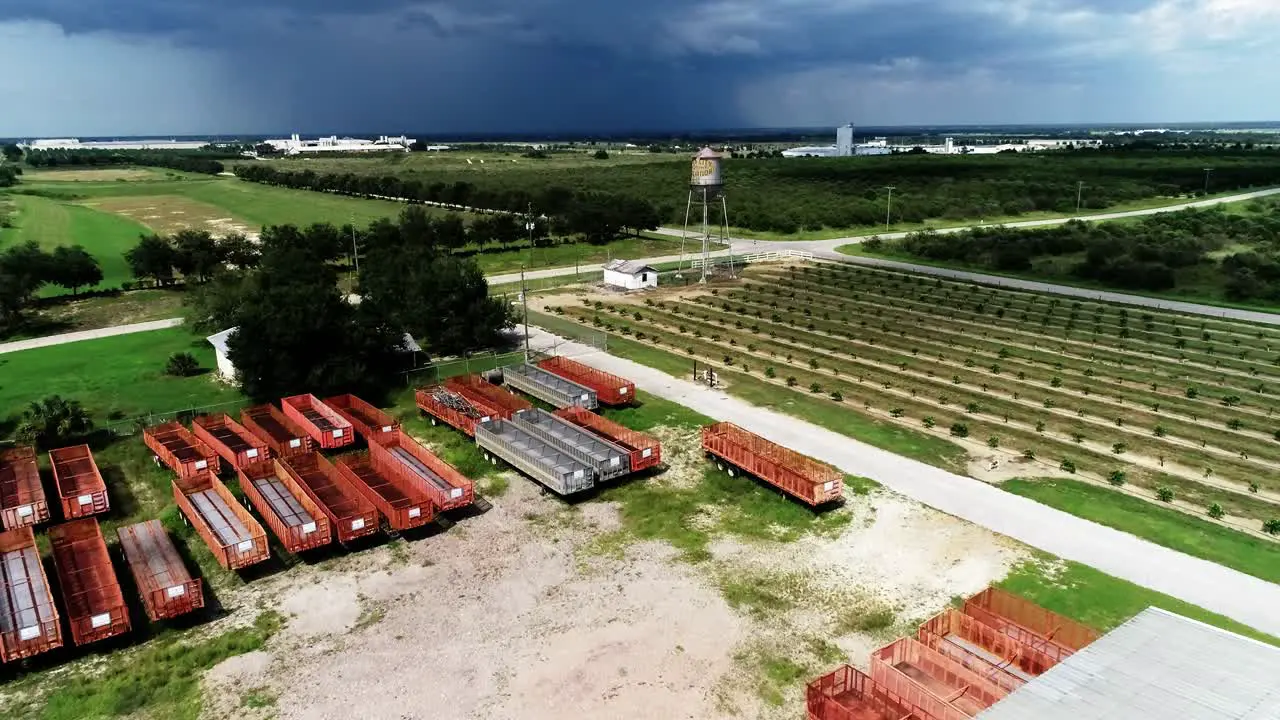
146,67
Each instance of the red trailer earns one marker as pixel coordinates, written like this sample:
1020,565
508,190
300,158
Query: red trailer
167,589
279,432
399,455
175,446
321,422
932,681
80,485
28,617
90,592
646,452
610,389
848,694
965,639
1028,623
233,536
231,440
403,504
293,516
453,408
22,501
372,424
804,478
350,514
474,387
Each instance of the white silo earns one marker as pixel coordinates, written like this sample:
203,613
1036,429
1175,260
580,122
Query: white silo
844,141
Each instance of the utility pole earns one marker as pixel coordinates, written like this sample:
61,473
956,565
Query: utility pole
888,211
524,302
1206,180
1079,195
355,254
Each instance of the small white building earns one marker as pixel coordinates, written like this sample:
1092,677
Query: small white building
630,275
219,343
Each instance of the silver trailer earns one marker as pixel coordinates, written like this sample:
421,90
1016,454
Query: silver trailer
538,459
549,387
607,459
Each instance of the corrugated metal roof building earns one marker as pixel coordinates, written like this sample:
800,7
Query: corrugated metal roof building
1156,666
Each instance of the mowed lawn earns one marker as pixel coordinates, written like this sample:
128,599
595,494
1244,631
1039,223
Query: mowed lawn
1170,528
51,223
116,377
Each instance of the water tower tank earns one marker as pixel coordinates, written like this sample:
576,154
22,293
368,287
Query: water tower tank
706,170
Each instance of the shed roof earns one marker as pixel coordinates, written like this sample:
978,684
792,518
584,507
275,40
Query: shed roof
629,267
1157,665
219,341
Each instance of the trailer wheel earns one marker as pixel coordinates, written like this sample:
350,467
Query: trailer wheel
729,470
433,422
720,466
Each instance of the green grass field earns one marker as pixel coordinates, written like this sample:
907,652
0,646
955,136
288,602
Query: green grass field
1170,528
119,376
51,223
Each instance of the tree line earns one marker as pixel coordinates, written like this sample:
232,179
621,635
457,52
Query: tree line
26,269
598,217
298,332
1151,254
205,162
786,195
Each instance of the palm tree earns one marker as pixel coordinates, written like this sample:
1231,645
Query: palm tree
53,421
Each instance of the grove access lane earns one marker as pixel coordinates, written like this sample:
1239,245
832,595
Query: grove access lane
1241,597
64,338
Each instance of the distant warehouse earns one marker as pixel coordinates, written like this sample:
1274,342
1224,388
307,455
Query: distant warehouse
295,145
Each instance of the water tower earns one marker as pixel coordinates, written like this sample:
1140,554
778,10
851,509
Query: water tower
706,189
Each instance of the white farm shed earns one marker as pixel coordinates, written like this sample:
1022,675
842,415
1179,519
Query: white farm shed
630,275
219,343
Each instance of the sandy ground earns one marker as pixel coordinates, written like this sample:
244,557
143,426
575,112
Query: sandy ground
167,214
512,614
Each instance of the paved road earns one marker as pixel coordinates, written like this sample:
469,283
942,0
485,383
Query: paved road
1241,597
87,335
584,269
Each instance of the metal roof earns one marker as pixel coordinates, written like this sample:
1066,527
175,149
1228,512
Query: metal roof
1157,665
219,341
629,267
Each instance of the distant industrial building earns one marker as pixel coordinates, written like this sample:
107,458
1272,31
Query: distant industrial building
846,147
295,145
135,144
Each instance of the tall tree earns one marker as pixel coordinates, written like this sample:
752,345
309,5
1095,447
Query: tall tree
11,152
73,268
196,254
152,258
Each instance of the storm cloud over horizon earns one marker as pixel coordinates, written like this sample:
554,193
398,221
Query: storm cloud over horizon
116,67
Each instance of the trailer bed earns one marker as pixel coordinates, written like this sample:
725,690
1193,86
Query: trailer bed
462,412
606,459
233,536
278,431
295,519
646,452
474,387
28,617
802,477
80,485
610,389
166,587
321,422
539,460
848,694
352,515
90,592
549,387
403,505
371,422
22,500
179,449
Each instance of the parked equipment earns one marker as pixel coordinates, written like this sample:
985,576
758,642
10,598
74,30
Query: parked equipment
22,501
182,452
606,460
402,503
1028,623
280,433
399,454
80,485
610,389
646,452
372,424
804,478
231,440
932,681
350,514
539,460
28,617
454,408
848,694
474,387
90,592
321,422
549,387
966,639
235,538
293,517
167,589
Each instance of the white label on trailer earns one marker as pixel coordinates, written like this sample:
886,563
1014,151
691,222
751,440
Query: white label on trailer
577,474
308,528
386,428
202,464
415,512
29,633
296,442
624,390
176,591
613,461
455,493
339,433
828,486
357,524
245,546
98,621
251,453
585,397
25,511
85,499
648,452
484,419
